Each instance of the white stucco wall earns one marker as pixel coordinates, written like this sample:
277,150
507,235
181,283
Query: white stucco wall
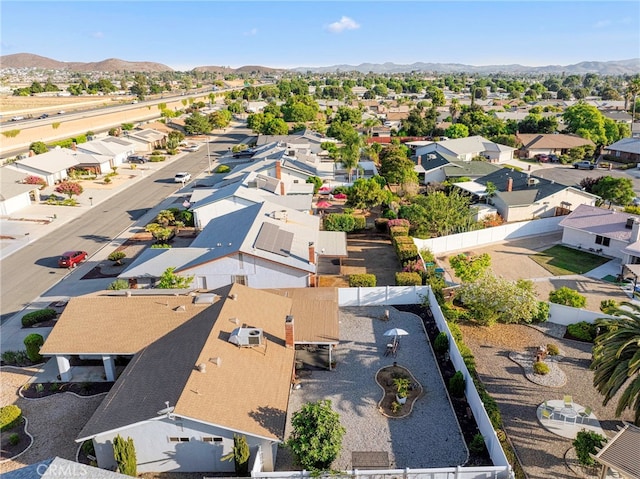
585,240
434,176
11,205
155,452
260,273
545,208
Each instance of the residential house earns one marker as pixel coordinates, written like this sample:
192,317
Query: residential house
14,193
430,167
627,149
56,165
465,149
609,232
520,196
548,144
307,139
118,149
148,139
263,245
201,368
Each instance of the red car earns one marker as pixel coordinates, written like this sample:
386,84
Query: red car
70,259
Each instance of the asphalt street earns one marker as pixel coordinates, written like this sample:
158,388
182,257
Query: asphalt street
31,271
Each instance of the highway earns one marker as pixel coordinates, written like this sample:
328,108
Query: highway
31,271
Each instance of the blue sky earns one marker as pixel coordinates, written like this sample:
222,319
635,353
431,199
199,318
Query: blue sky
287,34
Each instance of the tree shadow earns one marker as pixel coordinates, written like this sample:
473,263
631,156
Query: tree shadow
272,419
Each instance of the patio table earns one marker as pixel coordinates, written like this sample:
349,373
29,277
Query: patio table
568,413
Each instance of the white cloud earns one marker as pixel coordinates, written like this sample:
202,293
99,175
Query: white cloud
97,35
250,33
602,24
345,23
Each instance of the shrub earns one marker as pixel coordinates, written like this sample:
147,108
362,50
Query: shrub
540,368
9,416
406,251
33,343
88,448
398,230
543,312
427,255
413,266
587,443
54,387
395,407
364,280
408,279
360,223
156,158
476,446
119,284
607,305
441,343
339,222
39,316
239,455
35,180
389,214
567,297
223,169
456,385
552,349
14,438
117,257
124,453
15,358
583,331
160,246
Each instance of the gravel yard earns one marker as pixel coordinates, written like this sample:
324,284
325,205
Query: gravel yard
541,453
429,437
54,421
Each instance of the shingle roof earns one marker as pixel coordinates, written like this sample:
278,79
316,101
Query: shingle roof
472,169
626,145
533,188
545,141
226,394
609,223
621,452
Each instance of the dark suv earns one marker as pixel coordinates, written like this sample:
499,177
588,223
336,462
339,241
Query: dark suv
137,159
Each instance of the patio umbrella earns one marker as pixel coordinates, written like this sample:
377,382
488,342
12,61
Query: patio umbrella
340,196
325,190
323,204
395,332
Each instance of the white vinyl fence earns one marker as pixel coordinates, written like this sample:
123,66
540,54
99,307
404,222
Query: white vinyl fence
565,315
458,472
475,239
382,295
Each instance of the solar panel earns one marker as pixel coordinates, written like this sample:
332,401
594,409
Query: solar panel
274,240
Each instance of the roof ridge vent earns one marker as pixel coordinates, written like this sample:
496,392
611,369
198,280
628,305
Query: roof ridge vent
180,309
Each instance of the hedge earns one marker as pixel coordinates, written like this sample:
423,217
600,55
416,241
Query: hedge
408,279
364,280
344,222
360,223
9,416
583,331
406,252
33,343
398,230
38,316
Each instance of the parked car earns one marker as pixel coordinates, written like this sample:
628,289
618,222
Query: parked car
43,116
192,148
542,158
584,165
137,159
70,259
554,159
182,177
17,118
61,112
636,201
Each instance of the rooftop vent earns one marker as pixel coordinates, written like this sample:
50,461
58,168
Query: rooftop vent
180,309
280,215
247,337
202,367
532,181
431,156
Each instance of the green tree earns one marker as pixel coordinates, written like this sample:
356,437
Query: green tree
614,190
174,139
239,455
366,194
438,214
616,359
33,342
587,444
457,131
317,435
396,168
567,297
587,121
124,452
491,298
170,280
470,268
220,119
197,124
317,183
38,147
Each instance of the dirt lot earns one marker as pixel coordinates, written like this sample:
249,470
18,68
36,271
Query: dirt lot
511,261
19,104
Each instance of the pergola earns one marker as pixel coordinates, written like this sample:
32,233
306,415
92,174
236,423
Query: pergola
620,454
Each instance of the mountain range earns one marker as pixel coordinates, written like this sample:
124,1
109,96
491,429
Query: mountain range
618,67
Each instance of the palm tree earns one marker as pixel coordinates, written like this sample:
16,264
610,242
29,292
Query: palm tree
633,89
616,359
454,109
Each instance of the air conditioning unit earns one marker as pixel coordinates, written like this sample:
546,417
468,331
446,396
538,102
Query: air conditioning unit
247,337
280,215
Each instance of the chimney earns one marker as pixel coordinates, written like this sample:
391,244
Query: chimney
635,232
288,332
419,160
31,153
510,184
312,253
282,188
278,170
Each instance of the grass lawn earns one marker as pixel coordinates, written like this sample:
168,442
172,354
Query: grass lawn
560,260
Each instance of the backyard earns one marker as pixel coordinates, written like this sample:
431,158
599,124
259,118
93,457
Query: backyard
560,260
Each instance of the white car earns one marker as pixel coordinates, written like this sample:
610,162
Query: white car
182,177
192,148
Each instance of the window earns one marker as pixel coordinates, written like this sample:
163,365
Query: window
211,439
178,439
239,279
603,240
